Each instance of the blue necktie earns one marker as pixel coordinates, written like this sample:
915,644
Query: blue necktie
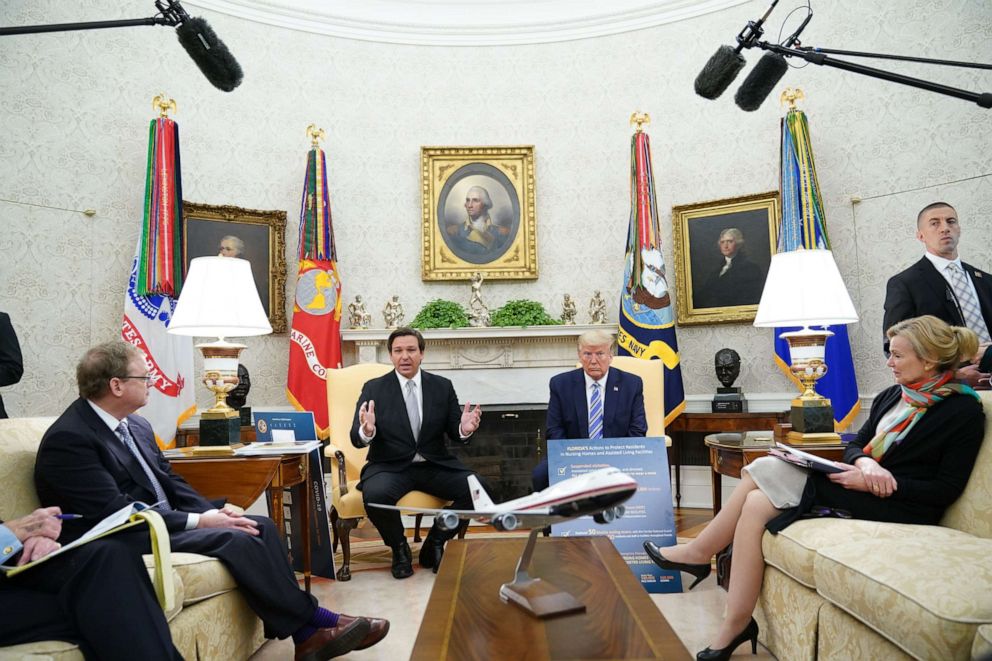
125,435
596,413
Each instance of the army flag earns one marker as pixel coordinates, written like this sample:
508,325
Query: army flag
154,285
315,339
647,323
804,225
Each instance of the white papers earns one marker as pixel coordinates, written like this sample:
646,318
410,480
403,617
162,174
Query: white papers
796,456
277,448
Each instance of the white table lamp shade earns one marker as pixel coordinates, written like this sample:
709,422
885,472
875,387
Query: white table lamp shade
219,299
804,288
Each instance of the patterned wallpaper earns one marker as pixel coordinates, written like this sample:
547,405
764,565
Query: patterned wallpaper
75,109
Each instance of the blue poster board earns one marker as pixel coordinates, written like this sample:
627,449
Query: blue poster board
649,514
299,422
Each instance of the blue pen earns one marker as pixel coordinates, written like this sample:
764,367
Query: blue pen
68,517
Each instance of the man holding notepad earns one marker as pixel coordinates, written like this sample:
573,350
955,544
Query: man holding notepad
98,596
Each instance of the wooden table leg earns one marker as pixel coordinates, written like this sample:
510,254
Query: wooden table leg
716,479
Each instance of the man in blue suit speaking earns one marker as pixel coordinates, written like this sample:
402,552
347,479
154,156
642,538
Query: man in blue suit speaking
593,401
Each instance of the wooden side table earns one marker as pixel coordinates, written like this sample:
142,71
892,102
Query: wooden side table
714,422
728,458
243,479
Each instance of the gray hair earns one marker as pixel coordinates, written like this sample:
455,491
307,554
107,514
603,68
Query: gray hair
239,245
484,194
734,232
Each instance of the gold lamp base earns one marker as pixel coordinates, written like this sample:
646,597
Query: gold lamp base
220,424
811,415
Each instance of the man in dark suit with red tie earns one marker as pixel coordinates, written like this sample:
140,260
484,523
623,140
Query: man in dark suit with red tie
593,401
942,285
403,417
98,457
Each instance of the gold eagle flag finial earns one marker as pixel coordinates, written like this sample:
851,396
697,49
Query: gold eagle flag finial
315,134
638,119
790,96
164,104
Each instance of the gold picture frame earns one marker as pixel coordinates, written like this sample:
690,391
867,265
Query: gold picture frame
263,236
711,289
500,241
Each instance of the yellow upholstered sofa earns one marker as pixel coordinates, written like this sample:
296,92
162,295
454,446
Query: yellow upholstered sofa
845,589
210,618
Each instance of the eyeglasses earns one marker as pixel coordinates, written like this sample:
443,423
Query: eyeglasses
147,378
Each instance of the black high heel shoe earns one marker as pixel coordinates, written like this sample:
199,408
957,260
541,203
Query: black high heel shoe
699,571
750,633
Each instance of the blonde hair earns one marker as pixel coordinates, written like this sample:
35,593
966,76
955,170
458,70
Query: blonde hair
595,338
934,340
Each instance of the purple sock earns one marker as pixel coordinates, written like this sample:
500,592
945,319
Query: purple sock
323,618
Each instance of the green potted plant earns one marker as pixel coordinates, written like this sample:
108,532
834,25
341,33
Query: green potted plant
440,313
522,312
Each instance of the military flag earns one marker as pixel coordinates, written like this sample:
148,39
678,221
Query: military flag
154,285
804,225
315,339
647,323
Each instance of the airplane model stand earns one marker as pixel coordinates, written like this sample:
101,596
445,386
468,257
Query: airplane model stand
534,595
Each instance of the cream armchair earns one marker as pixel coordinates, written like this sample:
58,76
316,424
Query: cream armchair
344,386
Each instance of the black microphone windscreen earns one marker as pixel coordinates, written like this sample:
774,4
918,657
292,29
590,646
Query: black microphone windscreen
760,82
210,54
719,72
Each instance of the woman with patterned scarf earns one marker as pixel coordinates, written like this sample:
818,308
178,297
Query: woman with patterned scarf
910,461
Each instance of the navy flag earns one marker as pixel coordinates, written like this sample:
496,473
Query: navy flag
647,323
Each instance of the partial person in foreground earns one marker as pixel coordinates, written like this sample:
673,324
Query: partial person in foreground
593,401
97,596
11,362
908,464
403,417
98,457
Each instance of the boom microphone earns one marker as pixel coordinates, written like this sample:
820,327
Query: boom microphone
727,62
719,72
761,81
209,53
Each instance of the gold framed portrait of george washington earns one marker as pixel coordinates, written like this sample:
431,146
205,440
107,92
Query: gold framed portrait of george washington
257,236
722,252
478,213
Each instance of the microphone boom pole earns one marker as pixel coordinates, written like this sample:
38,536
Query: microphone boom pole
92,25
816,56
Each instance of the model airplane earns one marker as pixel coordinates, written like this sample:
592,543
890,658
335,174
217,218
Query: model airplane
599,493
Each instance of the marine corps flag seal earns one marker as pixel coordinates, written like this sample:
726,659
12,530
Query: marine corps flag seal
315,339
647,325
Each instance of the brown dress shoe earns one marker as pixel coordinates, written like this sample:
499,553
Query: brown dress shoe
330,642
378,628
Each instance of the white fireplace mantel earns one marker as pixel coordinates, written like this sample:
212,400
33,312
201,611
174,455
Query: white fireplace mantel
507,365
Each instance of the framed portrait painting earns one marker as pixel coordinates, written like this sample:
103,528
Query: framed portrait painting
722,252
478,213
257,236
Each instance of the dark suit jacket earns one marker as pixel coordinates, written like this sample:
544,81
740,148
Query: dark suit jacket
623,408
82,463
394,447
921,289
931,465
11,363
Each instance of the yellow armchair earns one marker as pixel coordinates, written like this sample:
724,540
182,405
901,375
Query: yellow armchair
344,386
652,373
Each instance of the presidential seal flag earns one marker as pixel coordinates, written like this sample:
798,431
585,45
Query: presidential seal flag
647,323
315,339
154,285
804,225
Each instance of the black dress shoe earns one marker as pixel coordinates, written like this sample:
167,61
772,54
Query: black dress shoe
750,633
330,642
402,561
431,553
699,571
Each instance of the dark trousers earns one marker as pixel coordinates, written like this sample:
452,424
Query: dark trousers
98,596
539,477
387,488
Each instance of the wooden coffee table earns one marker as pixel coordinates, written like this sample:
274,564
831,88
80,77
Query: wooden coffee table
465,618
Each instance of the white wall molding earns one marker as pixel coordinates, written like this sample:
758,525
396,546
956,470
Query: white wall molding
465,23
